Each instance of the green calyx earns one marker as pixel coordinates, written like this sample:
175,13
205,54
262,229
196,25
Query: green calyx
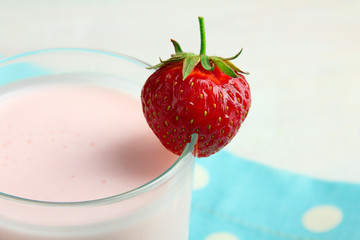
190,60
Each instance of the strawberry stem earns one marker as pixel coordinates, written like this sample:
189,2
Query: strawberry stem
190,60
202,36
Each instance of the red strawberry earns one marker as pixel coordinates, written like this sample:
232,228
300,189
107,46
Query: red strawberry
191,93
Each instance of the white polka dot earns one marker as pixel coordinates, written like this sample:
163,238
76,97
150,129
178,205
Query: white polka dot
222,236
201,177
322,218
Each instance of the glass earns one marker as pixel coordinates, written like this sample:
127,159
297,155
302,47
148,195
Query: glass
157,210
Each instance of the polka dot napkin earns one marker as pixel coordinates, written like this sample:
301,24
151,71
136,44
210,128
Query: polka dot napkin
237,199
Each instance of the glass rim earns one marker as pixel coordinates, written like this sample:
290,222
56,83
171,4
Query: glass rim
189,149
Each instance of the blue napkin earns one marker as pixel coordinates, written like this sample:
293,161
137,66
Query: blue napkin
238,199
19,70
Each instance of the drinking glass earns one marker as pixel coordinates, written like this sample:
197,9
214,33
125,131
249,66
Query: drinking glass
157,210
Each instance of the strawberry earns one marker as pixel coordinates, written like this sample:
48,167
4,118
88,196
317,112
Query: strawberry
191,93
